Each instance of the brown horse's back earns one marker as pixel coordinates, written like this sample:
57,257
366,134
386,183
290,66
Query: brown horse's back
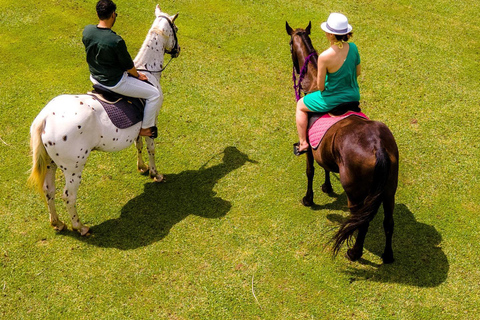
350,148
365,155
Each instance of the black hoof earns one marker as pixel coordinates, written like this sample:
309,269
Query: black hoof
352,255
388,258
307,201
327,189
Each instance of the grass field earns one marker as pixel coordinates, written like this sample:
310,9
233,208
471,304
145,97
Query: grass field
227,237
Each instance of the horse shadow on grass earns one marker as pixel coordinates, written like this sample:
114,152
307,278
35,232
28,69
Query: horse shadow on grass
419,259
149,217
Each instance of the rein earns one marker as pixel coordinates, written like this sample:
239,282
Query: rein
296,86
157,71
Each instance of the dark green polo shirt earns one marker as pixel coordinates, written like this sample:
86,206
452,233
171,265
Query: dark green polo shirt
107,55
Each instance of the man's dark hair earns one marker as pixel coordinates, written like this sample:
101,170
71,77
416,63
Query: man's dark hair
105,8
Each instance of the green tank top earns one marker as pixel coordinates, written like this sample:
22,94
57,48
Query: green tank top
340,86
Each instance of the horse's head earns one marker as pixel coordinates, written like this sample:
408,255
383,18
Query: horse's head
164,25
302,50
161,39
300,44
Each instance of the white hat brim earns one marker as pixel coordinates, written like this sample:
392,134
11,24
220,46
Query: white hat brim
326,28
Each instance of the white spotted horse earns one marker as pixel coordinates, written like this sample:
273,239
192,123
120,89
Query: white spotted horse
363,152
70,127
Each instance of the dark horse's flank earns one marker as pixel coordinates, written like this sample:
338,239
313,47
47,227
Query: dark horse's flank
365,155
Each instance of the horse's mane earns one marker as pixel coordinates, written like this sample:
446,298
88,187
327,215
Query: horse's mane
150,47
146,53
308,42
310,48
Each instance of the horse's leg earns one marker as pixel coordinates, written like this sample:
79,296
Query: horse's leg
327,185
49,189
388,206
151,161
308,199
356,251
72,182
140,164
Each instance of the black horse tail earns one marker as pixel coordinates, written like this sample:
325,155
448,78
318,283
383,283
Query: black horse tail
361,215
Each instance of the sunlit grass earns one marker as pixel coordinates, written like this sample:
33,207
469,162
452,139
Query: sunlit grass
222,231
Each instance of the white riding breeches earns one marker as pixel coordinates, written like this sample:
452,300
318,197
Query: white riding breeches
132,87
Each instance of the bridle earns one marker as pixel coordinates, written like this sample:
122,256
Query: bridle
176,49
298,87
172,52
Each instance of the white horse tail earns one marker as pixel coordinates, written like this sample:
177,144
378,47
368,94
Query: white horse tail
39,154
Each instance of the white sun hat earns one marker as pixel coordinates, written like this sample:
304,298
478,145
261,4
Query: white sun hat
337,23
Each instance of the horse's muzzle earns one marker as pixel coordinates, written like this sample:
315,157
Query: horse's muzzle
175,53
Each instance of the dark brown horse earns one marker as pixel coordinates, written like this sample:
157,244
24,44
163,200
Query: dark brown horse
365,155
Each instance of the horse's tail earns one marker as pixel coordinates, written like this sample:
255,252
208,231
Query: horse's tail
39,155
361,215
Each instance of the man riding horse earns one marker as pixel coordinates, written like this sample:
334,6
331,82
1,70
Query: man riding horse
112,67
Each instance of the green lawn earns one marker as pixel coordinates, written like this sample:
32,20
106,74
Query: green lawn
226,236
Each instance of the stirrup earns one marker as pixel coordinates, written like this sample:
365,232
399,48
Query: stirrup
154,132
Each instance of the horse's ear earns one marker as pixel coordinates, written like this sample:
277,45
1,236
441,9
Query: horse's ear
158,11
289,29
309,27
174,17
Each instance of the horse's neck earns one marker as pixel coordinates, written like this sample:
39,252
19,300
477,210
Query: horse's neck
150,56
310,78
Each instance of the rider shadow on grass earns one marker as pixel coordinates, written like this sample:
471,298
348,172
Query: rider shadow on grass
419,259
149,217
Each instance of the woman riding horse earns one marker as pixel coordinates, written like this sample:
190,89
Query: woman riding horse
363,152
338,69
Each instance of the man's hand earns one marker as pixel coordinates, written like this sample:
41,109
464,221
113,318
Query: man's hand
142,77
138,75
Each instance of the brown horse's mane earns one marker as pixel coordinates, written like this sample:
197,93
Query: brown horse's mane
308,42
302,33
306,50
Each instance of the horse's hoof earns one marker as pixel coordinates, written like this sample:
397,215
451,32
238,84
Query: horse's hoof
387,258
143,169
307,202
84,231
59,226
327,188
352,255
159,178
